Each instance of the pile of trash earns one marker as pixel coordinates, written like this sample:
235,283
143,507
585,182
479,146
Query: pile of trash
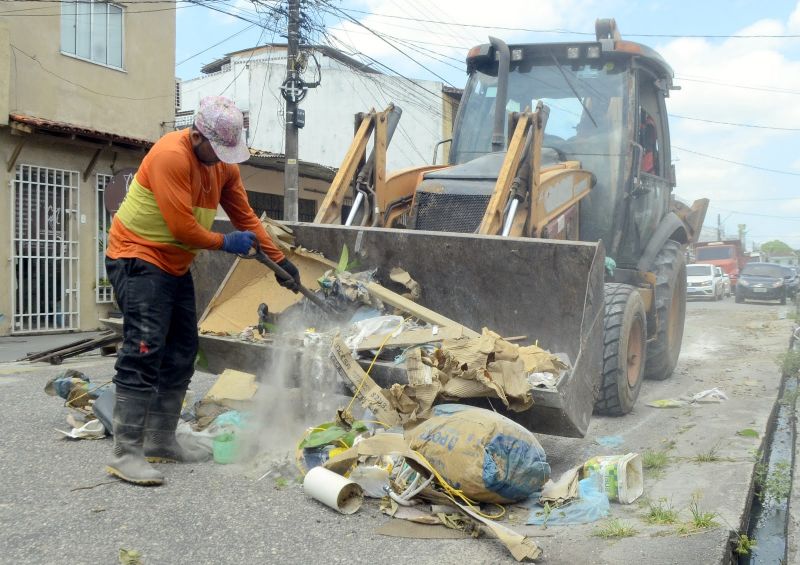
430,460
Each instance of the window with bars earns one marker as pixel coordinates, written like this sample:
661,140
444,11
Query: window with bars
93,30
103,292
272,204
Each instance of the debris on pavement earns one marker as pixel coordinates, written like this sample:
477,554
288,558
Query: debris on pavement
561,491
395,445
622,475
333,490
590,505
610,441
74,387
93,429
57,355
711,396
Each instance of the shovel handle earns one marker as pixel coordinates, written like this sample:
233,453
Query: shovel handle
264,259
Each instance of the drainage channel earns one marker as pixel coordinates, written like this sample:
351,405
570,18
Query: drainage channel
769,515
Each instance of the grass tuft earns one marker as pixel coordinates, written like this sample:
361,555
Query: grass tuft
660,512
701,520
614,529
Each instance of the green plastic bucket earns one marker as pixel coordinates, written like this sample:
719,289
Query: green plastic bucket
225,448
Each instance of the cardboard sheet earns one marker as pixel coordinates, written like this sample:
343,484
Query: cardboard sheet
233,389
372,396
415,530
250,283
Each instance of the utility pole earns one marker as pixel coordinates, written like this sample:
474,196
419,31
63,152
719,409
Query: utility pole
719,228
289,90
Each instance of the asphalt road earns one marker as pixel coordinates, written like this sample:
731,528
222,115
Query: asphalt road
58,506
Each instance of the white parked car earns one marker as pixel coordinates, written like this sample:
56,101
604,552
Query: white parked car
704,281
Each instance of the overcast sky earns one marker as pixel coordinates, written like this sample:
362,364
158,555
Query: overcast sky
753,80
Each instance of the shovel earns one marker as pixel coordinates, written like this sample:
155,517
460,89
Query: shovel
264,259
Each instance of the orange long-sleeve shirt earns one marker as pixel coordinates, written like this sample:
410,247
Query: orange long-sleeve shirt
171,203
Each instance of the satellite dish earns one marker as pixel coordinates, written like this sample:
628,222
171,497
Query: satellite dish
117,188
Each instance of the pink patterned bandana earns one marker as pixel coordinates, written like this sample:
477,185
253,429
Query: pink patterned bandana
221,122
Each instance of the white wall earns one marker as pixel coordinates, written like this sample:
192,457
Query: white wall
330,108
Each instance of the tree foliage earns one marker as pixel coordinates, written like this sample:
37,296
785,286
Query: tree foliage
776,247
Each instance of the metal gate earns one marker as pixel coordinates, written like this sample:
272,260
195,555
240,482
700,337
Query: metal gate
103,291
45,278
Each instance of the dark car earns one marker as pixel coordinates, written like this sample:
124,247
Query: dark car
791,280
762,281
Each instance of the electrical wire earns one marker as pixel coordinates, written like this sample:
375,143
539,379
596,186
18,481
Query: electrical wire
776,128
785,218
743,86
392,45
241,31
572,32
748,165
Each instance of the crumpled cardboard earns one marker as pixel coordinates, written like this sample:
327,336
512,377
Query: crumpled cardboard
482,367
521,547
563,490
537,360
400,276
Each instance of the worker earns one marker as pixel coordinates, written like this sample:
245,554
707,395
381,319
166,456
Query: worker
648,139
163,222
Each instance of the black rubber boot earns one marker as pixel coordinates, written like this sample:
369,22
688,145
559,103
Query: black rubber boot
160,445
128,463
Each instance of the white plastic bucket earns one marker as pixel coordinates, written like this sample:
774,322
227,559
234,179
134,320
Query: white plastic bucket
622,475
333,490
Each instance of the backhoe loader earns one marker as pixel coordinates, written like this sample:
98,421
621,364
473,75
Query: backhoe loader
554,218
553,143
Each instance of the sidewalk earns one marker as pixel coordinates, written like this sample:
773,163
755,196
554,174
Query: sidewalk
15,347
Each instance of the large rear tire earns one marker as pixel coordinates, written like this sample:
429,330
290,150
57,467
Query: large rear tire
625,346
670,297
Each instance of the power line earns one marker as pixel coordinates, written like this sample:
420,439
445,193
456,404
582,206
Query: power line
756,199
16,14
241,31
787,218
744,86
572,32
389,43
732,123
748,165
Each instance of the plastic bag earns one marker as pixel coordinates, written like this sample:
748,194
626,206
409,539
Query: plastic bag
380,325
591,505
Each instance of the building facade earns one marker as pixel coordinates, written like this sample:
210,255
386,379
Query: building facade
82,98
253,78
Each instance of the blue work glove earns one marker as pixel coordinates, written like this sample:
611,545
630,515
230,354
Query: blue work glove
292,283
239,242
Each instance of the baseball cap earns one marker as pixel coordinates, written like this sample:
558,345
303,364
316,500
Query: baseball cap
221,122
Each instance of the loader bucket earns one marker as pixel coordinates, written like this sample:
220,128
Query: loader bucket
550,291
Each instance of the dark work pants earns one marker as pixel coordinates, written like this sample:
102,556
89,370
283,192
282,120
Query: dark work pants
159,329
